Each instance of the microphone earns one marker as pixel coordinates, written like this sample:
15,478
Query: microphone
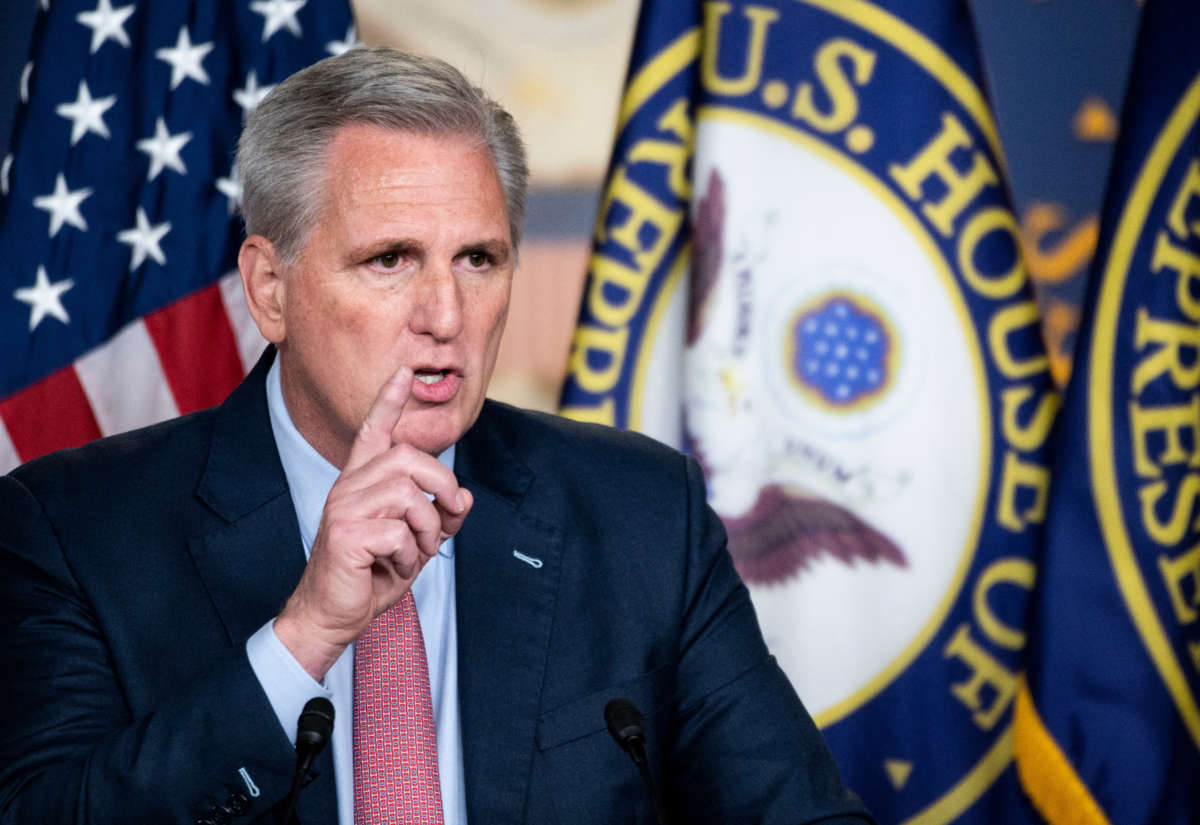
627,727
313,730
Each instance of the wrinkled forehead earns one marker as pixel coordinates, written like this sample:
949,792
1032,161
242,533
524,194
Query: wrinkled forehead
361,152
361,158
378,183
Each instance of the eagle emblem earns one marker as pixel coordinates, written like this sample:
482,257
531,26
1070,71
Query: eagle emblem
840,351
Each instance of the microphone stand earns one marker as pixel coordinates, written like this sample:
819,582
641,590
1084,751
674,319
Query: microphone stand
627,727
313,730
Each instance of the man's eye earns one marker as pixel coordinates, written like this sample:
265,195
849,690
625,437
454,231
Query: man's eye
478,259
388,260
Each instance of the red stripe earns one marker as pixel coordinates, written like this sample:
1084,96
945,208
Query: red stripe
49,415
198,351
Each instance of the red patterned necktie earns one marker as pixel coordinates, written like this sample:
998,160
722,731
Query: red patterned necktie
395,744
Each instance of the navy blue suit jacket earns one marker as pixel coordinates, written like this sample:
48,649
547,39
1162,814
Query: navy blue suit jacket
133,570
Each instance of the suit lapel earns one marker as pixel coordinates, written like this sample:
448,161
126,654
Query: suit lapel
250,566
252,562
506,568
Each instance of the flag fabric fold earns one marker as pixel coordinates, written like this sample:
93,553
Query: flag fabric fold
805,272
1107,722
118,226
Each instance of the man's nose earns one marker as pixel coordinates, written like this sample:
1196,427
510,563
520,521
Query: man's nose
438,307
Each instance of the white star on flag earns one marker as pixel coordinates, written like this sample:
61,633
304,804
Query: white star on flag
86,114
250,95
186,60
163,149
44,298
145,239
337,47
230,188
106,23
278,14
28,70
4,170
63,205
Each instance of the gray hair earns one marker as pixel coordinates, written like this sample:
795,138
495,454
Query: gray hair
281,153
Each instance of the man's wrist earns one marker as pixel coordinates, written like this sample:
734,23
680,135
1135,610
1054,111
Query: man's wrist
307,645
287,685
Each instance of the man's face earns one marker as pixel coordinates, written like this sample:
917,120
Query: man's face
410,263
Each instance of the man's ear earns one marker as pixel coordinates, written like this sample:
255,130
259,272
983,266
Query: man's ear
262,281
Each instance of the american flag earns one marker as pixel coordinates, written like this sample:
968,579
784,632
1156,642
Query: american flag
119,299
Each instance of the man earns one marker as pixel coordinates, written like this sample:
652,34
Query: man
161,626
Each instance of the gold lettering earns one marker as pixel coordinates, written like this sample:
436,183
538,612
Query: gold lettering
1173,531
934,161
1175,571
1187,190
1186,264
986,672
1015,476
610,345
979,226
1033,435
645,213
673,154
760,18
615,291
1003,571
1173,337
1171,420
836,84
1004,323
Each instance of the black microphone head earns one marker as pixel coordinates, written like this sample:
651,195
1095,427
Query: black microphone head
316,724
625,722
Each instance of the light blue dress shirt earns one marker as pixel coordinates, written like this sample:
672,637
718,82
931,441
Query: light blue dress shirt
288,686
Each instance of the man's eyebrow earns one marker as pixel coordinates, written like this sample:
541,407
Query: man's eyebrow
377,248
498,249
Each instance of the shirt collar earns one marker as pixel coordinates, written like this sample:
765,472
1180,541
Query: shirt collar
309,475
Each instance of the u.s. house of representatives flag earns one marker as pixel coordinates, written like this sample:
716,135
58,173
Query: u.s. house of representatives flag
117,209
806,273
1108,727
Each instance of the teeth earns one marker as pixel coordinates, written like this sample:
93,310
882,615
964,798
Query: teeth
430,377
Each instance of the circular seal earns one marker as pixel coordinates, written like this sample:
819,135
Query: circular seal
811,403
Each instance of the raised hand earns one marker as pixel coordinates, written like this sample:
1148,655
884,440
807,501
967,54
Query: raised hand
377,531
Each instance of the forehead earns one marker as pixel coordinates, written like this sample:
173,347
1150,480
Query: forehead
391,181
369,155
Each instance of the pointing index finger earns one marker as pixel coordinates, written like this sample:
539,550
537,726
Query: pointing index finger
375,435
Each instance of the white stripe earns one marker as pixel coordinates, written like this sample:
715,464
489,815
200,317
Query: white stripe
125,383
250,342
8,453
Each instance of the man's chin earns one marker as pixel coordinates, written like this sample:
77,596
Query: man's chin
434,429
433,440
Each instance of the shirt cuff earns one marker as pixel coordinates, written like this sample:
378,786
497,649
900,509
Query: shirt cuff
286,683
